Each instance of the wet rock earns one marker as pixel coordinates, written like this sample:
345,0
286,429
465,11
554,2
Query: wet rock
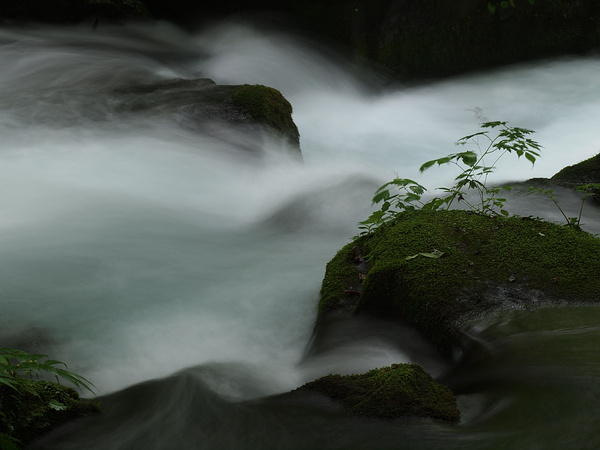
577,175
255,111
400,390
489,264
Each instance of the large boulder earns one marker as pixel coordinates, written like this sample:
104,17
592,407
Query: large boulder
438,269
201,104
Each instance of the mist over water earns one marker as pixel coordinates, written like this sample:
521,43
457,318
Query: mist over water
134,247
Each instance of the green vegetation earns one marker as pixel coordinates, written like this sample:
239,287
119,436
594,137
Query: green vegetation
401,390
8,443
434,266
588,190
17,366
584,176
587,171
30,407
475,167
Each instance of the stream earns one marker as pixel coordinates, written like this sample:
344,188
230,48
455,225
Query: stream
181,275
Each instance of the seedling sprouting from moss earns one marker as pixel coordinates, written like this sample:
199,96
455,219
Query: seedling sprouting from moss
475,165
588,190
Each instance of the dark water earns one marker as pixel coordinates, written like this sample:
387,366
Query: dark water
181,276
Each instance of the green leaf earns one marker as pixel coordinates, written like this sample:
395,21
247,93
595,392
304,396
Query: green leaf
444,160
9,381
412,197
57,406
427,165
471,136
435,254
380,196
32,364
493,124
8,442
418,189
469,158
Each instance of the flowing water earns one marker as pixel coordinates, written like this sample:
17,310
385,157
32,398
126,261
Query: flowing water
181,275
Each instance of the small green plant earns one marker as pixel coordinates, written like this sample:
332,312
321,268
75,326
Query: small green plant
588,190
8,442
475,164
28,405
18,367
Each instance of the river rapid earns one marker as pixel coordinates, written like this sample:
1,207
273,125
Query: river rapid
181,275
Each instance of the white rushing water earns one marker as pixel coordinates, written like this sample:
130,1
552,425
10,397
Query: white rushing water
133,247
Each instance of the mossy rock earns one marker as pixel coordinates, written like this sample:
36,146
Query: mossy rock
484,264
585,172
38,407
401,390
267,106
201,104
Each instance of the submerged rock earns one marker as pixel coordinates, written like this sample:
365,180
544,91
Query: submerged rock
438,269
201,104
401,390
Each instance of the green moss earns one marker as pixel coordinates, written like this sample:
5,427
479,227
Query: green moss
339,287
587,171
268,107
401,390
488,263
39,406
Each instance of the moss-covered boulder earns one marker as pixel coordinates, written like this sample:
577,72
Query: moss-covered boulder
401,390
437,269
39,406
267,107
253,110
585,172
